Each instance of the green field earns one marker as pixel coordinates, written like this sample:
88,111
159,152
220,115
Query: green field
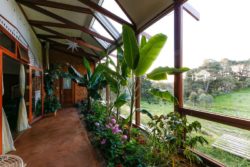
234,104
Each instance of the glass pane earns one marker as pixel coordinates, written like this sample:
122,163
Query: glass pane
216,48
99,28
36,93
148,101
7,43
111,5
66,83
222,137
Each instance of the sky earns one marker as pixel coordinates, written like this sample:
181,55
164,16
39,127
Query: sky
222,32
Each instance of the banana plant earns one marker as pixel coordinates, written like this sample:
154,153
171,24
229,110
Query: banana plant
139,58
93,81
117,80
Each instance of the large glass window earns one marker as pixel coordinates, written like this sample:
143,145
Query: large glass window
217,52
148,101
216,49
227,144
109,5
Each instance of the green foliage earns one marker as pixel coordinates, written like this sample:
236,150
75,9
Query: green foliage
163,94
51,104
92,81
149,52
121,100
131,50
166,138
161,73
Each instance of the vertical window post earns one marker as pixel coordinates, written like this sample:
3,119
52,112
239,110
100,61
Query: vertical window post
137,100
1,104
178,53
137,96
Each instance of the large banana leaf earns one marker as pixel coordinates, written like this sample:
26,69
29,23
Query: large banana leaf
87,66
76,76
131,50
160,73
146,112
121,100
149,52
143,41
163,94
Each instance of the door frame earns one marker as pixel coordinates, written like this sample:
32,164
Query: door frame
61,91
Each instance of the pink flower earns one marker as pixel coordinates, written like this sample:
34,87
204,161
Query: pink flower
103,141
124,137
113,121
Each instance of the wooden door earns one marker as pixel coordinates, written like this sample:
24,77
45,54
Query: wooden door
66,92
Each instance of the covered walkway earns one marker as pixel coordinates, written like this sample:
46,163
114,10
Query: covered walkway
59,141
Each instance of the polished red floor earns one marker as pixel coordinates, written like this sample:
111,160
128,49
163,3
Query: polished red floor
59,141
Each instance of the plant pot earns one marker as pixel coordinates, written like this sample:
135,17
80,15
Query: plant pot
51,114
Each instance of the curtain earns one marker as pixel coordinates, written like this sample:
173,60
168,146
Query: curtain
22,121
8,143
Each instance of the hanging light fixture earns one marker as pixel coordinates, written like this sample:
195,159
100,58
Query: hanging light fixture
73,45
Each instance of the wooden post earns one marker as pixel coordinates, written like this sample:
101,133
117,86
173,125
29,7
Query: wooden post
107,96
1,102
178,49
137,97
137,100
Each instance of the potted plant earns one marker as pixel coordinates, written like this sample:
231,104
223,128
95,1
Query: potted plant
51,105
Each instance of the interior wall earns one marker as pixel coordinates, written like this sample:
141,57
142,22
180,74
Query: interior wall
10,10
56,57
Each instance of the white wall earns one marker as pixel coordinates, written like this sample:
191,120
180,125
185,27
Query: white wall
10,10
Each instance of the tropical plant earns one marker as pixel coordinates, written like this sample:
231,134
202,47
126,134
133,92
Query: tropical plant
93,81
51,103
167,139
117,80
138,58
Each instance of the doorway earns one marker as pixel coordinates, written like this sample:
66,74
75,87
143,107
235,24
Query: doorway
11,97
66,92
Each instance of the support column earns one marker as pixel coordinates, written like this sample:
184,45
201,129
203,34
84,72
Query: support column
178,53
47,46
137,100
137,95
107,97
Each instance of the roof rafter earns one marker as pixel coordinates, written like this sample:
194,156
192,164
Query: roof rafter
68,26
57,5
105,12
78,41
66,21
81,51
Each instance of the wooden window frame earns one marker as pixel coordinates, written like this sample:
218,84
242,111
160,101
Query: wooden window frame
30,115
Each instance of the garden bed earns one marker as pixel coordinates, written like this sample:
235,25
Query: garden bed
110,139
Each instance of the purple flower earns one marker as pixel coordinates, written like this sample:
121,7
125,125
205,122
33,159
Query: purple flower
113,121
103,141
97,124
124,137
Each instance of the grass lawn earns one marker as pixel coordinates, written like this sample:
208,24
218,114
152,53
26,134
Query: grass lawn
234,104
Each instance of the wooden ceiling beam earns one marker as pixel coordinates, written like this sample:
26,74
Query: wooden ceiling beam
65,21
79,52
105,12
78,41
57,5
52,36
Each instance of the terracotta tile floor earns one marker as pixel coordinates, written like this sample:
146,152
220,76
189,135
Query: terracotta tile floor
59,141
